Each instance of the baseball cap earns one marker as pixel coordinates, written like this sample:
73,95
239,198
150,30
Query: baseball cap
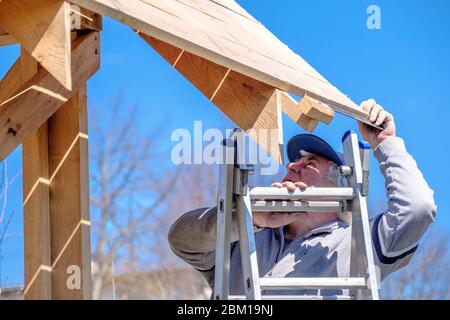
312,144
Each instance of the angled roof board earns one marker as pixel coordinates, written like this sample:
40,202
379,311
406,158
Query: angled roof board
224,33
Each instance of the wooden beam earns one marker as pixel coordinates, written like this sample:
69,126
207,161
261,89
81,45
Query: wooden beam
252,105
291,108
36,206
316,109
69,200
43,29
40,97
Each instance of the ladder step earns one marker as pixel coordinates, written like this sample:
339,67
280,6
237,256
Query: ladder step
312,283
296,206
296,297
269,193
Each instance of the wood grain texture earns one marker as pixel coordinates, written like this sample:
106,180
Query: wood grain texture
291,108
69,198
316,109
36,202
56,194
43,29
254,107
41,96
7,40
224,33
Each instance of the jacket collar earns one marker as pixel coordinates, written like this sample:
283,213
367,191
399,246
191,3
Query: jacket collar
325,228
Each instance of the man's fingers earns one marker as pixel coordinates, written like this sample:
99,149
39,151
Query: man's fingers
368,105
277,185
301,185
375,112
381,117
289,185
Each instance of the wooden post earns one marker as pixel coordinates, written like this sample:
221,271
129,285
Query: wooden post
56,205
69,199
56,201
36,210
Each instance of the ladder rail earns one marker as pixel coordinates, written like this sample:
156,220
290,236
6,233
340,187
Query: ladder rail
312,283
362,261
224,220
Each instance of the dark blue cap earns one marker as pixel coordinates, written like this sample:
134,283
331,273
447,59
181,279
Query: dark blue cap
312,144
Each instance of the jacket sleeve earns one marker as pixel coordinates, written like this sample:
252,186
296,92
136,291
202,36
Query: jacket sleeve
193,238
411,209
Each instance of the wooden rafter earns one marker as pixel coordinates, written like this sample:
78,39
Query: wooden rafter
254,106
43,29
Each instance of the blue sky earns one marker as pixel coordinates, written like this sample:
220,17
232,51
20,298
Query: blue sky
405,66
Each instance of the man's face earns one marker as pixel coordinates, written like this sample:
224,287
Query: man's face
310,169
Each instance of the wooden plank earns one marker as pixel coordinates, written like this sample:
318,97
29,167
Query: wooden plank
167,51
36,210
40,97
316,109
233,6
254,52
290,107
43,29
69,200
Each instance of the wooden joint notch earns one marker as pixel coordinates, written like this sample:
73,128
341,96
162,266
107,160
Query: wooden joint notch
84,20
291,109
316,109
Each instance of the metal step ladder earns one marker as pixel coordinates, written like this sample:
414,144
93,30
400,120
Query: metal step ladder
234,193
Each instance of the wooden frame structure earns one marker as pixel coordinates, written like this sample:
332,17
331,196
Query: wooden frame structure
229,56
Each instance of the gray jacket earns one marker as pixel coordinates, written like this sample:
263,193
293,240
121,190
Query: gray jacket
325,251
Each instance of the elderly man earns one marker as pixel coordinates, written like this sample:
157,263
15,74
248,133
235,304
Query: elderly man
318,244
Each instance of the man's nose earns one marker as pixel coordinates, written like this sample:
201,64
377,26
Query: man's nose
293,166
